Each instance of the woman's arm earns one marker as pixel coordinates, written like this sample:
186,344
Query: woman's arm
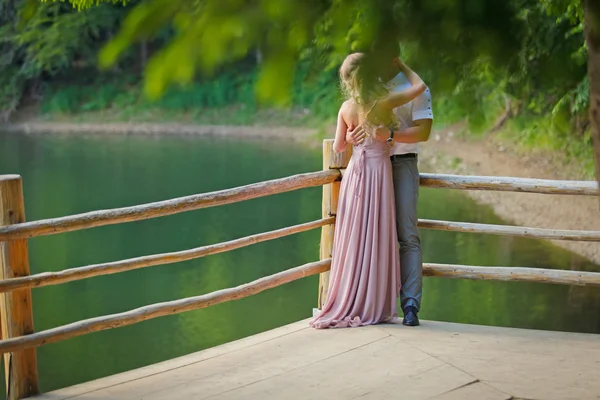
339,144
394,100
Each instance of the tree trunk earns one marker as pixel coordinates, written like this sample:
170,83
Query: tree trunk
508,113
143,55
258,55
592,36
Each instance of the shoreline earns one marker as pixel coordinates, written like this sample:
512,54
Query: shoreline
449,152
158,129
445,152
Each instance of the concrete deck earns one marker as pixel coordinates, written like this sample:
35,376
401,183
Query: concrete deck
434,361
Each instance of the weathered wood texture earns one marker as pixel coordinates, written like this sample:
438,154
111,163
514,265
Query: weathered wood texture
592,36
540,233
518,274
508,184
88,271
17,316
439,360
158,310
257,286
167,207
331,160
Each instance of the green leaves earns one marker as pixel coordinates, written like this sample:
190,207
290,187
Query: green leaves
51,38
210,34
81,5
470,49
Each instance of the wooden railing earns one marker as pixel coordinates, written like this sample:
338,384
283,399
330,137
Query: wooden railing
20,340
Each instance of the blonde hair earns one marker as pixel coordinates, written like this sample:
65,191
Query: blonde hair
360,82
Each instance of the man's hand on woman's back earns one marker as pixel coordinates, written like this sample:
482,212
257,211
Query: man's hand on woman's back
355,136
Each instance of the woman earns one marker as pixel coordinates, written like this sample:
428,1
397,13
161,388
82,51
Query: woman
364,282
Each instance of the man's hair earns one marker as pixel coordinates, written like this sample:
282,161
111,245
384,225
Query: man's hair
385,49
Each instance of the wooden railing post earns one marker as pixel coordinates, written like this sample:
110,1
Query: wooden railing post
15,307
331,192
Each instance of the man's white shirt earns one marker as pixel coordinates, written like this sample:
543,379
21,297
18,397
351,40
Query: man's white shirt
419,108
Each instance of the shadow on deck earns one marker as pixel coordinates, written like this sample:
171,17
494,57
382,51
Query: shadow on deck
437,360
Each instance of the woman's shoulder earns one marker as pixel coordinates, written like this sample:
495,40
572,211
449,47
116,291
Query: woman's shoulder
349,106
350,112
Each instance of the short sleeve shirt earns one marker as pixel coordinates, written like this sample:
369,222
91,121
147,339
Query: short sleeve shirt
419,108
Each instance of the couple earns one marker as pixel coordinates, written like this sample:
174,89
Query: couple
378,196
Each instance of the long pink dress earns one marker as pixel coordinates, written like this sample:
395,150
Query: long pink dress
364,281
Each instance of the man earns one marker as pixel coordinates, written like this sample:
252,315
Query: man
415,121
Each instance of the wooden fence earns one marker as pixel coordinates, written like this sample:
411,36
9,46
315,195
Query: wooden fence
20,339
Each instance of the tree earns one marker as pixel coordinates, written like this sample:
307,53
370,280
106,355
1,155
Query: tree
592,35
469,47
50,41
210,34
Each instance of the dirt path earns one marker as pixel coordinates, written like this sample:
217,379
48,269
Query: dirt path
444,153
447,153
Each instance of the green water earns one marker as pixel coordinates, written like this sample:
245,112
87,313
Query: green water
67,175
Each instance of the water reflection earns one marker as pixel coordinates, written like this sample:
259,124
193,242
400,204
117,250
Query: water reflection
66,175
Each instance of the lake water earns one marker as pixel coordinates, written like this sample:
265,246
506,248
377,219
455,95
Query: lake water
67,175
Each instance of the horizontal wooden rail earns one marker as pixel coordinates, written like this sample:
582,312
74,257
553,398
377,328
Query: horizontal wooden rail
192,303
161,309
540,233
518,274
509,184
88,271
167,207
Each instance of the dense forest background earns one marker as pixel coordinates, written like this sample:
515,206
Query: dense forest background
519,66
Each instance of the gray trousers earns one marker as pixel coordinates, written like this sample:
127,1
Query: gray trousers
406,190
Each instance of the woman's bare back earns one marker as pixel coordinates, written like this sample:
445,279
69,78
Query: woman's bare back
378,112
355,115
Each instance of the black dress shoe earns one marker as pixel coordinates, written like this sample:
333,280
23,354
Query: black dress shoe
410,317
